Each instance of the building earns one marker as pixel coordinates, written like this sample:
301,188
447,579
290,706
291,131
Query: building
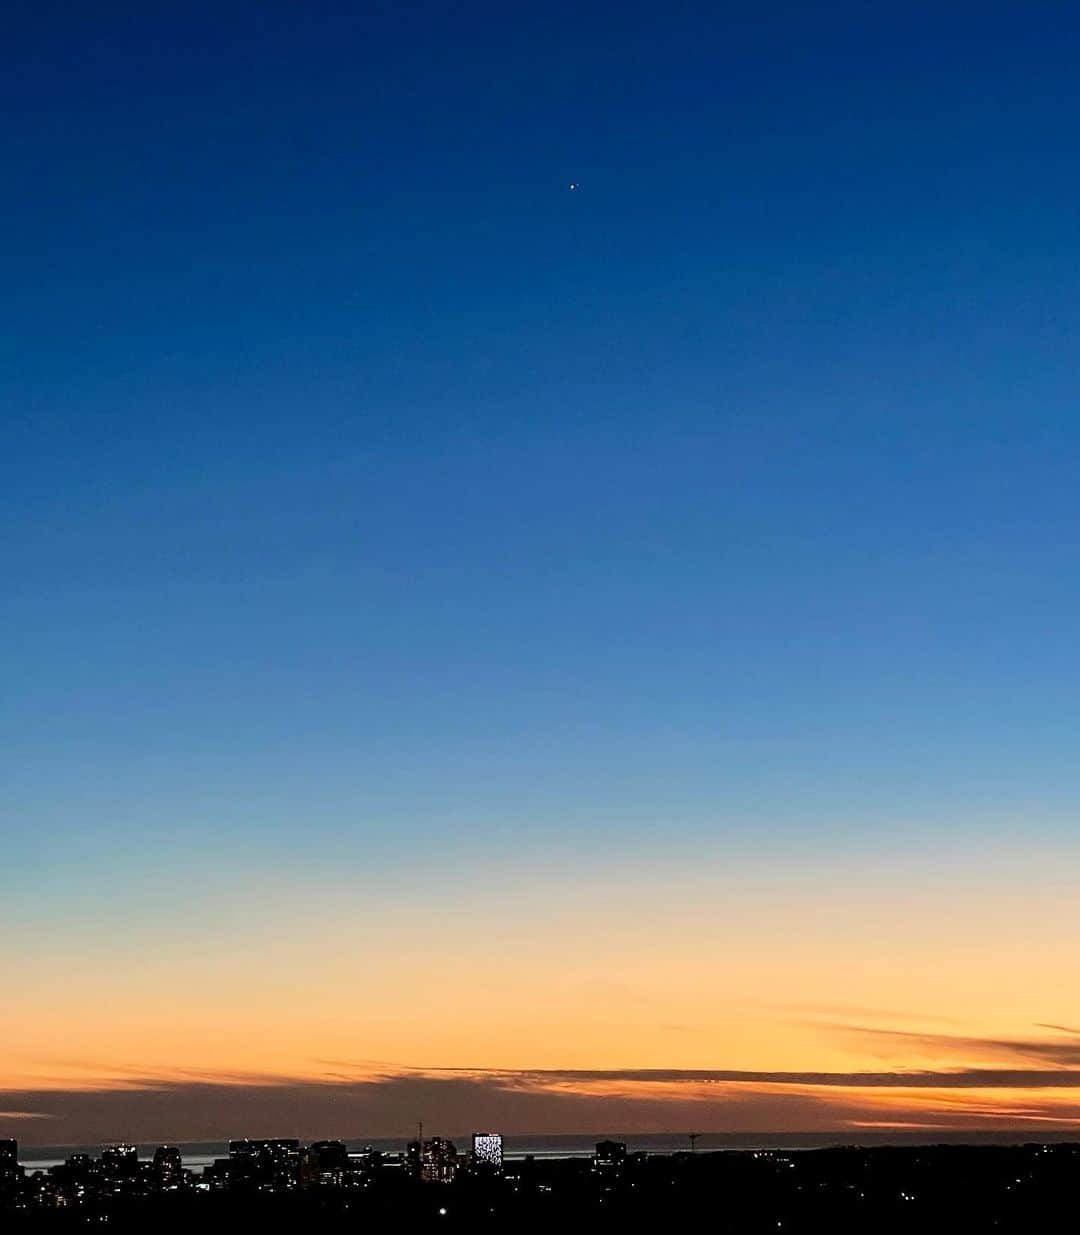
439,1162
77,1178
487,1151
120,1162
368,1161
267,1165
326,1162
168,1167
11,1172
435,1161
609,1155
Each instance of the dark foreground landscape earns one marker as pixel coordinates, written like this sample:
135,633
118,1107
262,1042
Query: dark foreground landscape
325,1187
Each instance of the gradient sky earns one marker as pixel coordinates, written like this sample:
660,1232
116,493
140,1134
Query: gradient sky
569,660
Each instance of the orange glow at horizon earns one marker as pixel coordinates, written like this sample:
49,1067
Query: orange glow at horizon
770,977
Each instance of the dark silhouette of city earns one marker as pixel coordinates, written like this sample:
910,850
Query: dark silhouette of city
326,1185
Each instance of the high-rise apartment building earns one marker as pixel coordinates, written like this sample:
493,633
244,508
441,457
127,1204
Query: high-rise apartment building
487,1150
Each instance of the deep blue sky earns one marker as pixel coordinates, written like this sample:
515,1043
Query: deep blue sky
362,482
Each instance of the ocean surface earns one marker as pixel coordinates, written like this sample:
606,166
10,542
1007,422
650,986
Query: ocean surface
197,1155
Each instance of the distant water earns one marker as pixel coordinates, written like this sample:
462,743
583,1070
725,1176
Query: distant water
198,1155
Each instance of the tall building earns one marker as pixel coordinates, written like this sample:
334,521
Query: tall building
168,1167
435,1161
329,1156
439,1164
487,1150
120,1161
10,1171
273,1163
325,1162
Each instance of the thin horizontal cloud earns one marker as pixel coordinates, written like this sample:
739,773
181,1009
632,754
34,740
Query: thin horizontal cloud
898,1125
961,1078
109,1078
1057,1053
810,1008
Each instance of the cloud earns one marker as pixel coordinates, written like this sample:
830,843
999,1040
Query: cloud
811,1008
171,1109
893,1042
970,1082
961,1078
355,1101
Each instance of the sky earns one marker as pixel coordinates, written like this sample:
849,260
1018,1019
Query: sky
566,659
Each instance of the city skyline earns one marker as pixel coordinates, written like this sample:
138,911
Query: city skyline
326,1185
539,574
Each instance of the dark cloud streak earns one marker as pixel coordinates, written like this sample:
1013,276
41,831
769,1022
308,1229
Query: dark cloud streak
529,1101
365,1098
1041,1050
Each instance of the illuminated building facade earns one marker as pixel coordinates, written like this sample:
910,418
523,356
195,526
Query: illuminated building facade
487,1150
